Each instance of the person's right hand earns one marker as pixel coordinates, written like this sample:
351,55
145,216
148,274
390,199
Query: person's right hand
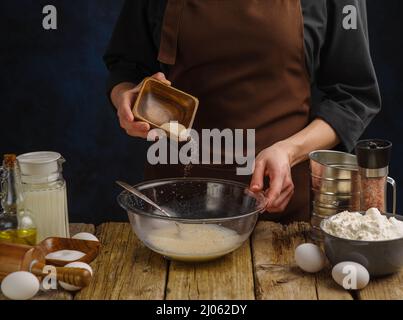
123,97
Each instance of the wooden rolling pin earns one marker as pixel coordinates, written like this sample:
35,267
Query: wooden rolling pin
75,276
16,257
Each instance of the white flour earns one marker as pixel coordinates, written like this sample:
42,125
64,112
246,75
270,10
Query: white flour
373,226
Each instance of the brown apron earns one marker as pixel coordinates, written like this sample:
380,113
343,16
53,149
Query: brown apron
245,62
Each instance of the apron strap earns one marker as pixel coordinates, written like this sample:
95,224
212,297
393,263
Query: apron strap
170,31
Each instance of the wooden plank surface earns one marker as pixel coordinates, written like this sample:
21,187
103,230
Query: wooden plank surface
263,268
81,227
328,289
229,278
125,269
385,288
276,275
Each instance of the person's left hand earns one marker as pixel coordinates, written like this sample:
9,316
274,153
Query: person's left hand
275,163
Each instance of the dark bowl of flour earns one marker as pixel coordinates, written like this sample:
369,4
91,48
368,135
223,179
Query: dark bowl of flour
379,257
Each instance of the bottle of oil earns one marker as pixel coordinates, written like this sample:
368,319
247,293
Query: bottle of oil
16,223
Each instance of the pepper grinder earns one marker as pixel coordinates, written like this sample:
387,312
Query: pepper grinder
373,157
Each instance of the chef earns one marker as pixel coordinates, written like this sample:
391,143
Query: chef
252,64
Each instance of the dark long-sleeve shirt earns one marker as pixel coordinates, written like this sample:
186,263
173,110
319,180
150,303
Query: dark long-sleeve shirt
338,60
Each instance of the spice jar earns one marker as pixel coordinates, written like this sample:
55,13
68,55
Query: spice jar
373,157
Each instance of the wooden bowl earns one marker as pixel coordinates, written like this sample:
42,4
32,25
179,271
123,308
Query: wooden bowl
52,244
158,103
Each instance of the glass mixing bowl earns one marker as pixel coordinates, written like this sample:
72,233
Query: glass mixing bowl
209,217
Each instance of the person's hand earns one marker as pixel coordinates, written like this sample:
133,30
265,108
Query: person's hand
123,97
274,163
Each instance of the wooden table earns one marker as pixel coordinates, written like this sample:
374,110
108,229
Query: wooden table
263,268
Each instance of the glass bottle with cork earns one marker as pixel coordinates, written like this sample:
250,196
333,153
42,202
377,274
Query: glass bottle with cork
16,222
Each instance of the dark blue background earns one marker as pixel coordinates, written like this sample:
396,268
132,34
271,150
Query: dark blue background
52,95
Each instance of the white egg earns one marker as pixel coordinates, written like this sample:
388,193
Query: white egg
85,236
350,275
309,257
82,265
20,285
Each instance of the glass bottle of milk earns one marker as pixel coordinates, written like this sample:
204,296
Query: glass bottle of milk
45,192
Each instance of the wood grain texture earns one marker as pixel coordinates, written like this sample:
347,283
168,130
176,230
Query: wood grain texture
263,268
229,278
328,289
277,277
59,294
125,269
48,295
385,288
81,227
